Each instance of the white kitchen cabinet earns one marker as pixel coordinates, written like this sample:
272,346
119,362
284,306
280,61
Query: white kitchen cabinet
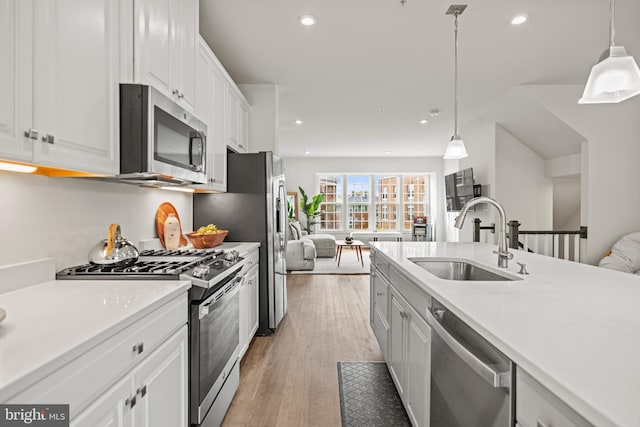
409,357
243,127
249,301
210,107
536,406
165,45
109,409
151,352
160,383
60,92
153,394
379,316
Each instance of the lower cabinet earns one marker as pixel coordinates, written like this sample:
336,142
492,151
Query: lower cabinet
409,357
249,302
153,394
379,312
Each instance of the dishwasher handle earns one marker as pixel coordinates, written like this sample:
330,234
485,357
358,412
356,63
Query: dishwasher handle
486,372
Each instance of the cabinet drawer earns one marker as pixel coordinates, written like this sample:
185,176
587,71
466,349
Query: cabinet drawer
380,263
538,407
381,331
84,379
381,294
417,297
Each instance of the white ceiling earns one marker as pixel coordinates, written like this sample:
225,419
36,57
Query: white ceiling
366,54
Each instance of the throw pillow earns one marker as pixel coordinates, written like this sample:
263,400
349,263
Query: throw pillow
293,233
298,228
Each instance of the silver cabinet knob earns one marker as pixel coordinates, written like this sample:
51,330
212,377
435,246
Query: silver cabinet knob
181,95
379,293
175,92
31,133
49,139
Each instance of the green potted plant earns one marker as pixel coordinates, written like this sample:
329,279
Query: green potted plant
311,209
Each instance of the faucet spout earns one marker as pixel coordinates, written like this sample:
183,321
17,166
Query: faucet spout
503,247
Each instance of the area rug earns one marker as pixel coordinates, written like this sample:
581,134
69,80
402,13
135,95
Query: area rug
349,264
368,397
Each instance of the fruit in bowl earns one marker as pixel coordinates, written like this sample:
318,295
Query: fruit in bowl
207,237
348,240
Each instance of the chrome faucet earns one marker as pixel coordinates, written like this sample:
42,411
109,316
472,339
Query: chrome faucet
503,253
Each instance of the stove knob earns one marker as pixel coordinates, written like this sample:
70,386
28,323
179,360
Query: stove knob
200,271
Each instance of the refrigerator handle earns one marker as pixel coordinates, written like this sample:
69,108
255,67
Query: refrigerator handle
281,215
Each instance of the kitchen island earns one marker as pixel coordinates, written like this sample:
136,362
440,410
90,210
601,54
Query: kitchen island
572,327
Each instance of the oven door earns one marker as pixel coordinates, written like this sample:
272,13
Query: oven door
214,344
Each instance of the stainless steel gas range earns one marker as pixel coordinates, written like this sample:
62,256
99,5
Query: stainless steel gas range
215,275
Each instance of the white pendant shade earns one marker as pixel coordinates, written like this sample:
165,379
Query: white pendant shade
455,149
614,79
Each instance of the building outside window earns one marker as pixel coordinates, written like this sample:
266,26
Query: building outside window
331,208
369,202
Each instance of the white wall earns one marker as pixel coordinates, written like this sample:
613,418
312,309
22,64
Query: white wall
480,140
612,171
301,172
522,187
263,116
64,217
566,203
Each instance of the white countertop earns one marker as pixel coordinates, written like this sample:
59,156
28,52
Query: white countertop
54,322
243,248
573,327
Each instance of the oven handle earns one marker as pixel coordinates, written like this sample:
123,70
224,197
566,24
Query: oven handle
203,309
486,372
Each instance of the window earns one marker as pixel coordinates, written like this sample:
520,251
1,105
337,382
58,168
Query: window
331,207
369,202
358,198
415,198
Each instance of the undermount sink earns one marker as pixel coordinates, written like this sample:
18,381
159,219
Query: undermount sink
456,269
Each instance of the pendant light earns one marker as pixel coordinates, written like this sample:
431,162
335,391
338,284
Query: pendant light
455,147
616,76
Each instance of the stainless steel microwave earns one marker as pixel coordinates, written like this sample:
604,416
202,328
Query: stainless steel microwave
160,142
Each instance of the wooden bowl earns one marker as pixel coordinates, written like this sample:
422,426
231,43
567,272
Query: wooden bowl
205,241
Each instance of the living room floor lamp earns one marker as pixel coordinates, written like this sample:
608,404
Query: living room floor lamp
455,147
616,77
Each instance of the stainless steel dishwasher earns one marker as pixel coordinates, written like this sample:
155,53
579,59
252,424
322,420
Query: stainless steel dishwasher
471,380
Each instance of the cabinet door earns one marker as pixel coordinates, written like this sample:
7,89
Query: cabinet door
397,342
217,129
153,43
76,84
231,101
203,64
254,279
109,410
186,30
243,127
244,316
418,379
15,79
160,383
381,331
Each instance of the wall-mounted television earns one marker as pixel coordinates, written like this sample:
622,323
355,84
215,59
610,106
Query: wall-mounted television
458,189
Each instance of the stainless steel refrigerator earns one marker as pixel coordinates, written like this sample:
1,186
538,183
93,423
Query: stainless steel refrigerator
254,209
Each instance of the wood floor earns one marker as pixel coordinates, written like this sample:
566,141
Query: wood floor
290,378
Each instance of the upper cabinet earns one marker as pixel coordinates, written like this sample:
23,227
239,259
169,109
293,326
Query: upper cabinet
165,46
59,77
237,120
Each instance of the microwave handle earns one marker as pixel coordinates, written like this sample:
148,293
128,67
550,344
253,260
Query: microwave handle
199,139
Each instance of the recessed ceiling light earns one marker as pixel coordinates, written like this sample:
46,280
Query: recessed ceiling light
519,19
387,152
307,20
434,113
299,122
307,152
424,121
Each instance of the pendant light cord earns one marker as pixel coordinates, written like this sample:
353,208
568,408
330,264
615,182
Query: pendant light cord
455,84
612,18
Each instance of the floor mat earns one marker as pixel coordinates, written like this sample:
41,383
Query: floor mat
368,397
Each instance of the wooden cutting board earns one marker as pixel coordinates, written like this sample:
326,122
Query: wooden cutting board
162,213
